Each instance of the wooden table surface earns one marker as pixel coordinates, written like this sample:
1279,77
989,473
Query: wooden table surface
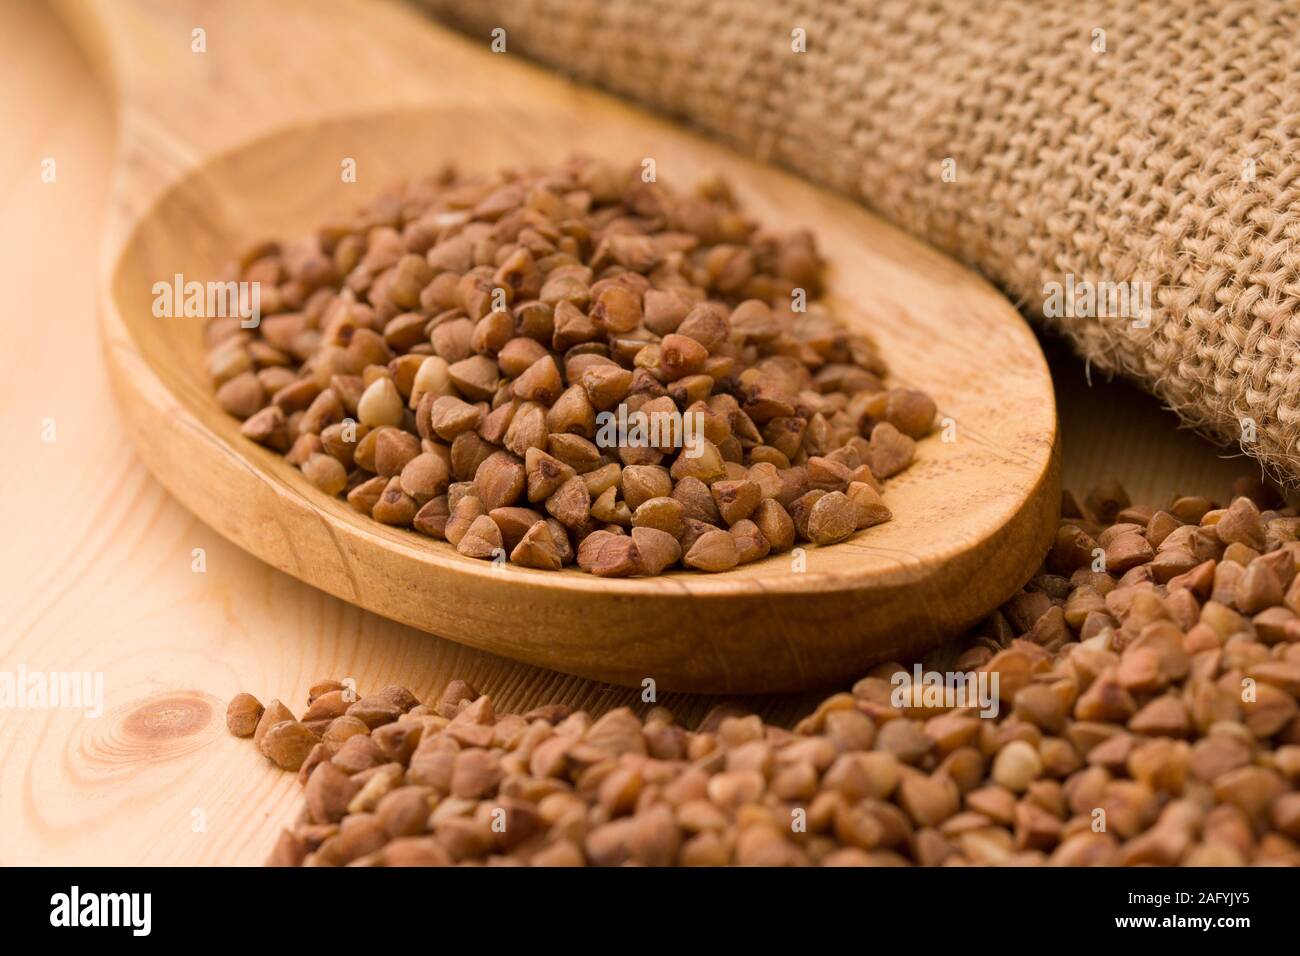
98,561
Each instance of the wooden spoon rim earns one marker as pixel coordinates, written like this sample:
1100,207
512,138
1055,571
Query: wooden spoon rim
871,566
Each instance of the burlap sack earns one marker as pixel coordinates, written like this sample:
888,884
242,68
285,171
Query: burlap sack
1054,145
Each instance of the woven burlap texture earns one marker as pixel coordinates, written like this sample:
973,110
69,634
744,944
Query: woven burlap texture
1152,142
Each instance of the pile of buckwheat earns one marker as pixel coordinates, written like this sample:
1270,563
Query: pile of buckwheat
569,365
1147,686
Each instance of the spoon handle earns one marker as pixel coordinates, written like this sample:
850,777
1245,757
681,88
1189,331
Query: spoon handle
192,79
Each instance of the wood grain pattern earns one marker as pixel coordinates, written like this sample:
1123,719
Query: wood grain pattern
95,572
972,515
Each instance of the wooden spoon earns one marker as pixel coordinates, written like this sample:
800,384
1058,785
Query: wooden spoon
246,138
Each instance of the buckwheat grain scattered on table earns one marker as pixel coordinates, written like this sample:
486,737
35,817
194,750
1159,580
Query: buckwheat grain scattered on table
1147,715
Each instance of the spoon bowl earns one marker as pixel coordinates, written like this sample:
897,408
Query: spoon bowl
973,514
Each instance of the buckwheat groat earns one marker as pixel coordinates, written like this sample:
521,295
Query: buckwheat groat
572,345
